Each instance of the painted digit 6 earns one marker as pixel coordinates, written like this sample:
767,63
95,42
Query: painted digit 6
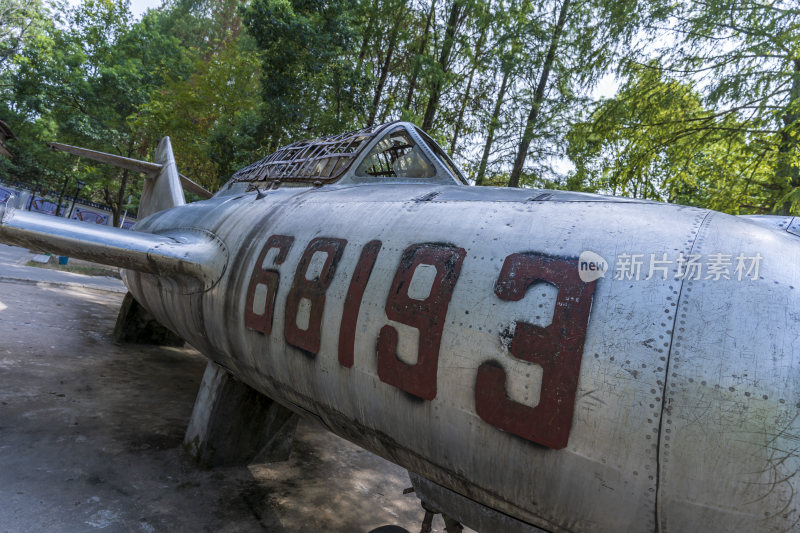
427,315
264,282
313,290
557,348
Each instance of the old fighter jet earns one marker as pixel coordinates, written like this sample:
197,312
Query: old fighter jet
537,360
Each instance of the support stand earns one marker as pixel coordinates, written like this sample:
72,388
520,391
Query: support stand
233,424
136,325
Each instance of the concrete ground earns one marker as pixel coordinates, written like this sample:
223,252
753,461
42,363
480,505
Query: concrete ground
91,433
12,268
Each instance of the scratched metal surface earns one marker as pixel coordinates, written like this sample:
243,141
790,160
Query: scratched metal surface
730,430
625,467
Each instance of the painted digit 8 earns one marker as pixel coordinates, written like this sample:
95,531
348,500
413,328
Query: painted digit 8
313,290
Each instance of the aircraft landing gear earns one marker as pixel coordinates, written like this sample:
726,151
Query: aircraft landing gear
450,525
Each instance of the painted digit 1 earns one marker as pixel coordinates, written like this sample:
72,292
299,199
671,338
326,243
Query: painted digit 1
427,315
557,348
352,302
313,290
264,284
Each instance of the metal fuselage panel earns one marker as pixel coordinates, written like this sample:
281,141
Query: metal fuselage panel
730,429
656,434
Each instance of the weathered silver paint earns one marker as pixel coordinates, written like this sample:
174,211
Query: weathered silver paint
620,471
190,259
466,511
686,410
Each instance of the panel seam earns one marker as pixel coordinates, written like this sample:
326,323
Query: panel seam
665,390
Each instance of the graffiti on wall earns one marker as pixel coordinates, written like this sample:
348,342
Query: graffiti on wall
92,217
5,194
40,205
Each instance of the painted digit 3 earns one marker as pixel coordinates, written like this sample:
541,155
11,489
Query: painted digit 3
557,348
427,315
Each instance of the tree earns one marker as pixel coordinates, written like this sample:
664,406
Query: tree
581,42
476,62
387,43
221,91
21,24
419,57
712,120
310,84
459,10
644,143
746,54
20,21
538,97
510,26
86,77
211,110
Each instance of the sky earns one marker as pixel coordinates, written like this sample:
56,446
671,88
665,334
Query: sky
138,7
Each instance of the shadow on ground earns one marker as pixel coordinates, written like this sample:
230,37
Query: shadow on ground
91,433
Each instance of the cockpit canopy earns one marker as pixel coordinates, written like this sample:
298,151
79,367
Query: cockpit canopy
396,155
397,152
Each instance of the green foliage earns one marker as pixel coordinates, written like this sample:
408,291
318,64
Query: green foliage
655,140
714,120
708,112
309,82
73,81
211,109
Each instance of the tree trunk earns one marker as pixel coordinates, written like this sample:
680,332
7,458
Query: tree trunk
493,125
412,84
444,64
115,209
61,196
460,119
393,88
462,110
538,97
376,99
786,170
338,91
368,34
117,202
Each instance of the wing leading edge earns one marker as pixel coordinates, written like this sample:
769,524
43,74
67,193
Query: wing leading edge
194,259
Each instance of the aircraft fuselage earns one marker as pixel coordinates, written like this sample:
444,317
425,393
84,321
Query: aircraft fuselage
448,330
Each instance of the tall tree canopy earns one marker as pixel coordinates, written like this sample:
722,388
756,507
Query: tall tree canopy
707,112
741,63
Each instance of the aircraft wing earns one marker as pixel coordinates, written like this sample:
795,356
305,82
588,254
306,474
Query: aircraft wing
151,169
187,256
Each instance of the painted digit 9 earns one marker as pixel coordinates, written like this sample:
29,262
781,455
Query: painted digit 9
313,290
427,315
557,348
264,286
